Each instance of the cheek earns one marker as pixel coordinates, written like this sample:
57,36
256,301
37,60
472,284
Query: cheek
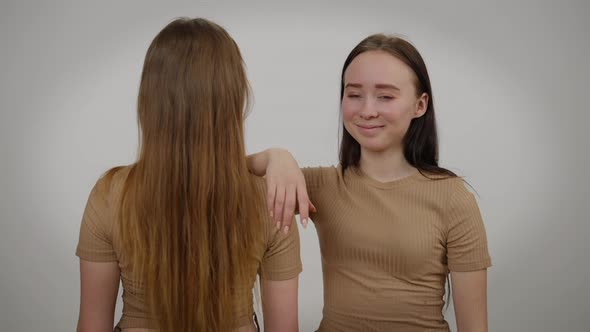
392,116
397,113
348,110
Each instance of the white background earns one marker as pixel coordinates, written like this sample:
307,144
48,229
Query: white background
510,88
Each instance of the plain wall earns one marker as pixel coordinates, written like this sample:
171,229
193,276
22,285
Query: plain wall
510,89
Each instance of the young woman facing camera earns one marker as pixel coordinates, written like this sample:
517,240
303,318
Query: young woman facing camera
185,227
391,222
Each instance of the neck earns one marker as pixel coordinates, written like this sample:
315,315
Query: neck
385,166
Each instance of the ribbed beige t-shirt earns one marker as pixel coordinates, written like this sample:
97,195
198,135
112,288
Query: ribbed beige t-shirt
387,248
278,255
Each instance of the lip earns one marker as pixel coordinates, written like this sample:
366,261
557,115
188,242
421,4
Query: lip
369,130
369,126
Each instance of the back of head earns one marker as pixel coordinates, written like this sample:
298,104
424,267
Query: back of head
188,209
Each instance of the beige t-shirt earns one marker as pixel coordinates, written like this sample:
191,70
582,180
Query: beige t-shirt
387,247
278,257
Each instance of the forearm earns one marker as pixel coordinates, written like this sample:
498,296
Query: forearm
258,162
285,182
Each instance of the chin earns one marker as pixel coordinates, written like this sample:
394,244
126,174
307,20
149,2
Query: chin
372,144
375,149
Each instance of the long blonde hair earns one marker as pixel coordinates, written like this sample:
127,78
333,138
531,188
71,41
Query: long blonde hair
190,210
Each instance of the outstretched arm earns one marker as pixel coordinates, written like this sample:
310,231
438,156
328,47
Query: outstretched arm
286,187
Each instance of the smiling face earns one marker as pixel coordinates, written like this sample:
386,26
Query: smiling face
380,100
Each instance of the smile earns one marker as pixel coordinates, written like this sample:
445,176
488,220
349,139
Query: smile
369,126
369,130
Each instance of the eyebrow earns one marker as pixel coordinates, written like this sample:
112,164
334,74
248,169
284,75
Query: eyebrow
378,86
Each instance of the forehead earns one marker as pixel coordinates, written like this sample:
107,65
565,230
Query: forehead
378,67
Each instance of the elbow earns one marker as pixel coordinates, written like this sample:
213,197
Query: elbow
294,328
282,326
83,327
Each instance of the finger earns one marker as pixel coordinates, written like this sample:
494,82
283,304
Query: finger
289,208
303,202
279,203
270,197
312,207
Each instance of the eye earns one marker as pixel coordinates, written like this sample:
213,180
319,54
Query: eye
385,97
354,95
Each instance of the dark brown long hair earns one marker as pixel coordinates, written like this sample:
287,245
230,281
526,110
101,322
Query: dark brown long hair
189,205
421,140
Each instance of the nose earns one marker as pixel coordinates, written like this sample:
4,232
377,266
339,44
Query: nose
368,110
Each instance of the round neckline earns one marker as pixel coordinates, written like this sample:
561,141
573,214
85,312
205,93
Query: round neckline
363,177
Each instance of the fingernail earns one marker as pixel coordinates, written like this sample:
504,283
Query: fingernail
286,229
271,214
304,222
279,225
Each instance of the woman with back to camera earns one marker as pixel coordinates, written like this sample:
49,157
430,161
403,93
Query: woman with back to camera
185,227
391,222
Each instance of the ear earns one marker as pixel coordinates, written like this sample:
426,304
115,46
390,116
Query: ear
421,105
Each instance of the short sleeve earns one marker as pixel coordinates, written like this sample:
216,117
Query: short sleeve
467,247
315,178
95,241
282,259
